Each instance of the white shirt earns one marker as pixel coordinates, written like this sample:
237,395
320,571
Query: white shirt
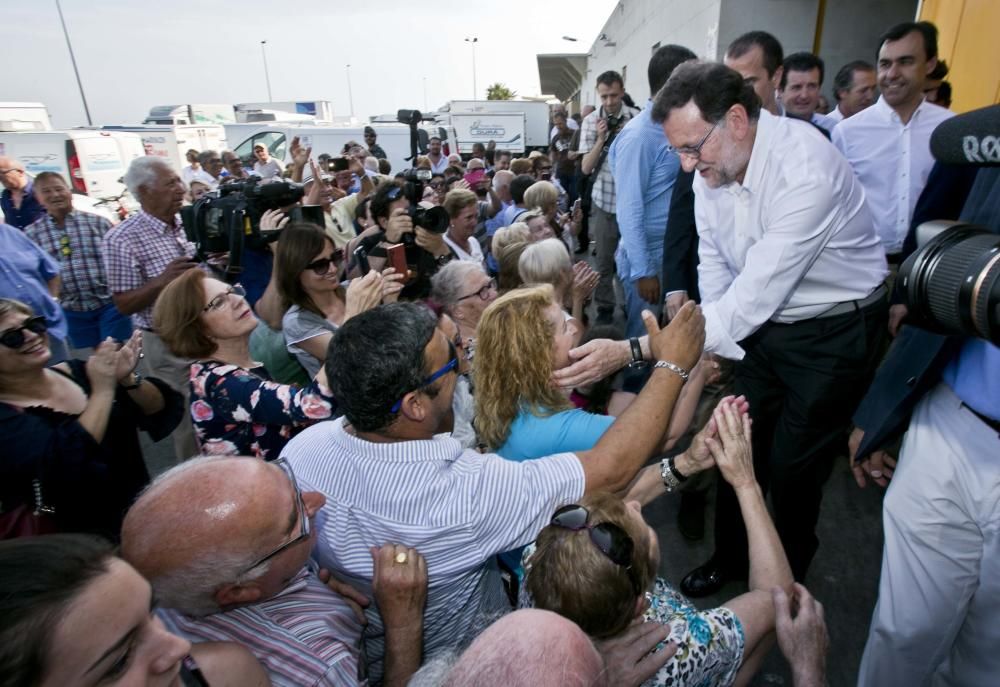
790,242
570,124
201,176
475,256
440,165
268,170
457,507
836,115
892,161
824,121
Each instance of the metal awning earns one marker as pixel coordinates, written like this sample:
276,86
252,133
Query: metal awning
562,74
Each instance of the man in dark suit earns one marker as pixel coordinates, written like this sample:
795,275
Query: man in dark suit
939,594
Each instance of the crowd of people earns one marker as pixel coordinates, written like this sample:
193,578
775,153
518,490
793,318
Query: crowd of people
413,441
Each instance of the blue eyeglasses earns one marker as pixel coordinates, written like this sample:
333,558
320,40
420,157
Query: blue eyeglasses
450,366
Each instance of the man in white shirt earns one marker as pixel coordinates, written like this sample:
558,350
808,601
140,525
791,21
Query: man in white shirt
791,279
266,167
888,145
439,161
801,80
758,56
854,89
387,475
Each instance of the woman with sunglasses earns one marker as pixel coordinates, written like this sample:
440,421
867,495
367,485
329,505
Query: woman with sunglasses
73,613
307,271
596,565
235,406
71,444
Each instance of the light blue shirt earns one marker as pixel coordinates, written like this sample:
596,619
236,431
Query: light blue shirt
644,167
532,436
974,376
25,271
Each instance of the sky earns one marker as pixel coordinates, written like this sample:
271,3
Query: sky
134,54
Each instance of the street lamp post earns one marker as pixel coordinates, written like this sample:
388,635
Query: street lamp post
350,94
267,77
473,42
72,59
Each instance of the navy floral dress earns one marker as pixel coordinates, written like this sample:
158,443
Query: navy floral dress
237,411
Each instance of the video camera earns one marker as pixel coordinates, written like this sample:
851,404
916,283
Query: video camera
951,283
228,219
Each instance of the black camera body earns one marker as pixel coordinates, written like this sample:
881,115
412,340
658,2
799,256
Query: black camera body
435,219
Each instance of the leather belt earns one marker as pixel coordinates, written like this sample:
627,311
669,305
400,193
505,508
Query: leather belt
852,306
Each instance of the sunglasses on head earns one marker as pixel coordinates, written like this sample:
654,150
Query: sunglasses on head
322,266
609,538
14,338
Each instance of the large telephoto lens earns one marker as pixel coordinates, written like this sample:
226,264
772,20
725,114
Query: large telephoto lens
951,284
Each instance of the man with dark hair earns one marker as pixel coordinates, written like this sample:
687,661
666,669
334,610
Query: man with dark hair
936,89
791,279
388,476
644,167
374,148
597,133
854,89
758,57
888,145
438,160
518,186
801,80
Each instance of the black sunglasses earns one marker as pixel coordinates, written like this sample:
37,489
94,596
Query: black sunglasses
611,539
322,266
14,338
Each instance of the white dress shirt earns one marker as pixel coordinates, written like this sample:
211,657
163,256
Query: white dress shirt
824,121
892,160
790,242
836,115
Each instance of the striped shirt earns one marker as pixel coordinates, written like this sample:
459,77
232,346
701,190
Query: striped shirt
306,635
139,249
603,190
457,507
77,248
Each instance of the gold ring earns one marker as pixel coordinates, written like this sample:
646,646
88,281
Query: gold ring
401,557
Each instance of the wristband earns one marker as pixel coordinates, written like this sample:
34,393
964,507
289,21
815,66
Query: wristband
676,369
136,381
637,358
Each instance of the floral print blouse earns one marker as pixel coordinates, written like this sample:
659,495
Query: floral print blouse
237,411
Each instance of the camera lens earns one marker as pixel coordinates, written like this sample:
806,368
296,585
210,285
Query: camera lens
952,283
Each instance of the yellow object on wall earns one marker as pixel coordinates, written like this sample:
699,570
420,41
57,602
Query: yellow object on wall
967,40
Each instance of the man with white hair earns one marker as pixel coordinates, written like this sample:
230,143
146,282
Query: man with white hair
141,256
242,573
18,203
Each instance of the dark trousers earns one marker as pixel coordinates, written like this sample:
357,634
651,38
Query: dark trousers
803,382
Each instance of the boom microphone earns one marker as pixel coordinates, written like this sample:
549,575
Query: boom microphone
972,138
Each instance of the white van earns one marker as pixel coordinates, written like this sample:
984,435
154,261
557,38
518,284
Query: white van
171,143
24,117
91,160
190,114
393,138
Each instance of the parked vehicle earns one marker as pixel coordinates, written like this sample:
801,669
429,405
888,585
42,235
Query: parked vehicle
91,160
172,142
506,129
190,114
24,117
536,118
321,110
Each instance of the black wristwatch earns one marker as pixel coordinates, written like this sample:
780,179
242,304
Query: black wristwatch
637,359
136,381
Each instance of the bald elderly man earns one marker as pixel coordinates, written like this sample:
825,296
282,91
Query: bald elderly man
18,203
224,542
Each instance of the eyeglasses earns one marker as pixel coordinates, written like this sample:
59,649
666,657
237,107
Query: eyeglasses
322,266
305,528
695,151
611,539
451,365
436,184
484,292
14,338
223,298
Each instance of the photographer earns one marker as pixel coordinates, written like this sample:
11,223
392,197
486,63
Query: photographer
939,593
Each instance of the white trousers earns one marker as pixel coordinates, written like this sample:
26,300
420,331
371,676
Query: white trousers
937,621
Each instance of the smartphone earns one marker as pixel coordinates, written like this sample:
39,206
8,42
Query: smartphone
397,258
361,256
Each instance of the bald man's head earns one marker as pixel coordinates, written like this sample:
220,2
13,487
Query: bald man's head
12,174
201,526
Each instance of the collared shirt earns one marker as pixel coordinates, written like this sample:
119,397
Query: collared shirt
306,635
77,248
475,256
203,177
440,165
892,160
603,189
139,249
29,211
645,167
793,240
457,507
25,270
272,169
824,121
836,115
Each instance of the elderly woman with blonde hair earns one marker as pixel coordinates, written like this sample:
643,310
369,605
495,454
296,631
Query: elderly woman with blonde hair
548,262
544,196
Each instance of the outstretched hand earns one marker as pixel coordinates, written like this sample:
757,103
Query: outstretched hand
732,449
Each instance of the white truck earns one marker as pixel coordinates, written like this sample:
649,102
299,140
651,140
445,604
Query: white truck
24,117
535,113
321,110
190,114
171,143
506,129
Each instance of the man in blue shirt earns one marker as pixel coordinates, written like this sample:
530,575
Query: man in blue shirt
30,275
20,208
644,167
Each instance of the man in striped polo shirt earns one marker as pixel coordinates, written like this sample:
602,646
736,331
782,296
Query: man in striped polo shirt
388,476
224,543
